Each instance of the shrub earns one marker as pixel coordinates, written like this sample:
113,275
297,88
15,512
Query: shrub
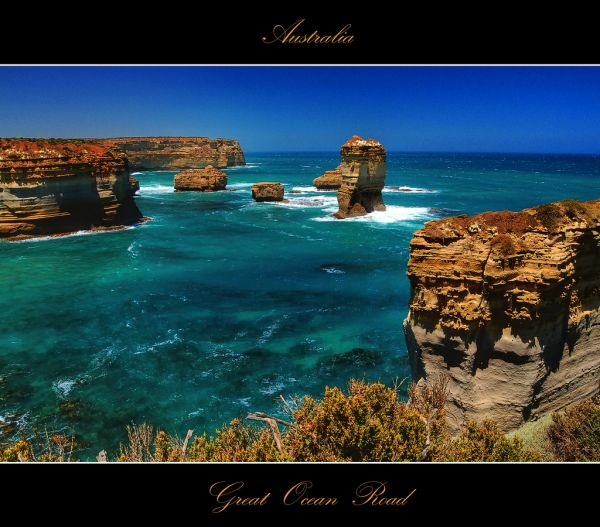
504,245
575,433
483,442
549,215
369,423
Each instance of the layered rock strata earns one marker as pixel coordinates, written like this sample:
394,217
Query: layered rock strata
267,191
506,304
330,180
50,187
363,177
207,179
178,153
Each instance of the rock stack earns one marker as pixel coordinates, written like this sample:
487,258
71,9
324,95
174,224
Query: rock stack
267,191
363,177
207,179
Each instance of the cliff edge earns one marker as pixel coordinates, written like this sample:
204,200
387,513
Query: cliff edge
52,187
507,305
178,153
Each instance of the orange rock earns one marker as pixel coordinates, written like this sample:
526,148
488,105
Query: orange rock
267,191
178,153
330,180
507,304
57,186
207,179
363,177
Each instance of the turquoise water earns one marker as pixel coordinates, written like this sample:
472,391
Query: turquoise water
219,304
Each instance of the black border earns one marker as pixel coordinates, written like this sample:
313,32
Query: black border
469,494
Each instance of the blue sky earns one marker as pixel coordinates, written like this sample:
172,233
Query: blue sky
462,109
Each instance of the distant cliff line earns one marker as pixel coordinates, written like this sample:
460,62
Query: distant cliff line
52,187
178,153
164,152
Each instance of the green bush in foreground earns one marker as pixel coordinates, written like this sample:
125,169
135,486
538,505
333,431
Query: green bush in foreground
484,442
368,422
575,433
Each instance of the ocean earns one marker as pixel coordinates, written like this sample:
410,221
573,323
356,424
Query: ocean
219,304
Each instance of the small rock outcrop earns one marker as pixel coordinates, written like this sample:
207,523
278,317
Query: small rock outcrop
330,180
267,191
363,177
59,186
507,304
178,153
207,179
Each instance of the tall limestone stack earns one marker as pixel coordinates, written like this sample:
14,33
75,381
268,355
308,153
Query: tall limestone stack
363,177
506,304
50,187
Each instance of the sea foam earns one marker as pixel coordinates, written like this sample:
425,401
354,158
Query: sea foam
156,189
392,214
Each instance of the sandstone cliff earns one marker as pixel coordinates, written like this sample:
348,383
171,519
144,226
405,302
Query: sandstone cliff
363,177
61,186
207,179
507,305
330,180
178,153
268,191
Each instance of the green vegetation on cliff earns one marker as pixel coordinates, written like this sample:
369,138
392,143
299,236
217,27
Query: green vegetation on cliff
368,422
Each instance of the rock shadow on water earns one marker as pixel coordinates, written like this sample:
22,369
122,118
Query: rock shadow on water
356,360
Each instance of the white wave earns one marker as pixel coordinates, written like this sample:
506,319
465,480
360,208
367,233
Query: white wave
73,235
392,214
333,270
311,189
156,189
408,189
64,387
175,338
135,173
247,165
310,201
272,388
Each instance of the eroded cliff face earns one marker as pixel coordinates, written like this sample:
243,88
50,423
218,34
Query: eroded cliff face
178,153
507,305
363,177
59,186
330,180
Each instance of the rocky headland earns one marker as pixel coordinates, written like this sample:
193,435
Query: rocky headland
207,179
178,153
267,191
506,304
363,177
330,180
52,187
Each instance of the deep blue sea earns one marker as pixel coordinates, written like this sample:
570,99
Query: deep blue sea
219,304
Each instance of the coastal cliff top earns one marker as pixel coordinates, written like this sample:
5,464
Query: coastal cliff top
357,140
519,263
356,145
551,217
168,139
30,149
